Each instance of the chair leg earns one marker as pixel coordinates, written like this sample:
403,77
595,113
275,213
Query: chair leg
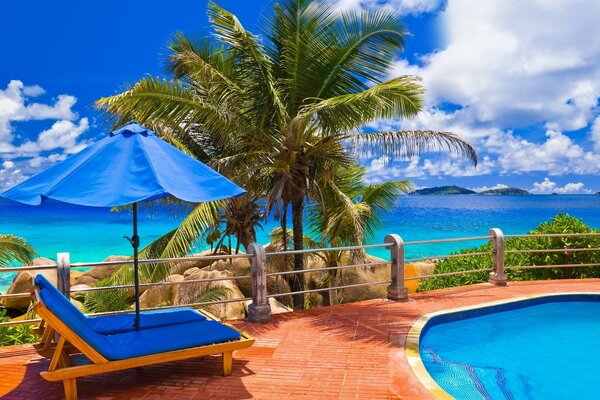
227,363
70,386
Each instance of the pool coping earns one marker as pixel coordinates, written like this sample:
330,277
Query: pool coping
411,347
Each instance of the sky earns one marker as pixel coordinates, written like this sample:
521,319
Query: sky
519,79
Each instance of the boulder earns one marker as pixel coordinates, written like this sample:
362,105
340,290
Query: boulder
208,291
198,292
161,295
276,307
92,276
23,280
181,266
375,274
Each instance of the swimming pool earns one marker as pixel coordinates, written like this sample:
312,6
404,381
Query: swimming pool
546,347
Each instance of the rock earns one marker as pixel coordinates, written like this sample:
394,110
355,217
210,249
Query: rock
75,275
276,307
93,276
197,292
182,266
361,275
193,293
237,266
161,295
23,281
75,288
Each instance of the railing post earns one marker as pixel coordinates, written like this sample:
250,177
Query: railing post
396,291
497,276
63,273
259,310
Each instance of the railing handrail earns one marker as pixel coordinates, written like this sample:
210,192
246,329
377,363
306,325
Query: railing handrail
259,309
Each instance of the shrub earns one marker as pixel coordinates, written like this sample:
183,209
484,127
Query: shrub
15,334
561,223
107,300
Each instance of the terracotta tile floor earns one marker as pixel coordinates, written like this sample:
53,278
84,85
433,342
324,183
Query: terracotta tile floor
351,351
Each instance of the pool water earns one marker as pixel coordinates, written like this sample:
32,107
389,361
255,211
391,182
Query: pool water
545,348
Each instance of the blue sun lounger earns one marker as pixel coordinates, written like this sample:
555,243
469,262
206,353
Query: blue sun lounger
112,346
119,323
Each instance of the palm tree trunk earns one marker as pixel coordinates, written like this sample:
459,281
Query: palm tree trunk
333,294
297,283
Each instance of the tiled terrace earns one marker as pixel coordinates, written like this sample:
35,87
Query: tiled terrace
351,351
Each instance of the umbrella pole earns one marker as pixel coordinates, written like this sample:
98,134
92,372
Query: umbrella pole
135,243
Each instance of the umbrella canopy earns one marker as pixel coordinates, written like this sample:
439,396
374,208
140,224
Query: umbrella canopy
130,165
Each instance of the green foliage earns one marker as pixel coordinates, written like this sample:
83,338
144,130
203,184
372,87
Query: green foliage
280,113
211,293
107,300
15,249
15,334
561,223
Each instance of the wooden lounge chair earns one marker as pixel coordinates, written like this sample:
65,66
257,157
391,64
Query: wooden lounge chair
64,333
111,324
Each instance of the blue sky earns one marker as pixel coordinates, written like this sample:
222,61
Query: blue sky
520,80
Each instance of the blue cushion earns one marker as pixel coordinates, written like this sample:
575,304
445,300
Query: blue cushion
122,346
110,324
73,320
160,340
51,291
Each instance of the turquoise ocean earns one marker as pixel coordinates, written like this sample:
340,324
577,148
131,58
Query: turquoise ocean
92,234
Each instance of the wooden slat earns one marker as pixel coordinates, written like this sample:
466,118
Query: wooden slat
94,369
70,342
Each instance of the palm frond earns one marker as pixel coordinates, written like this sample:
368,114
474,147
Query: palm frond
300,33
400,97
15,249
366,45
153,99
401,144
106,300
252,58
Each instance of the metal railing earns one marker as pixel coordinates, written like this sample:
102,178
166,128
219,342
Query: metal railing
259,309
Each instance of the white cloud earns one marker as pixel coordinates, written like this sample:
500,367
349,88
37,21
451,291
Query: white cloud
8,165
595,134
401,7
14,106
517,63
63,137
10,176
511,64
62,134
557,155
33,91
39,161
548,186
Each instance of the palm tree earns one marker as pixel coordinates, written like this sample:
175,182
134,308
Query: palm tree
281,115
15,249
350,212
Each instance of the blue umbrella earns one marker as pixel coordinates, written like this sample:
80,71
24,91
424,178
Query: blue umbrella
130,165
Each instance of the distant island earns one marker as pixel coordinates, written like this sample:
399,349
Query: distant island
508,190
444,190
460,190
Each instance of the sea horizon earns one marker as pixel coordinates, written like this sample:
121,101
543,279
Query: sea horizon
92,234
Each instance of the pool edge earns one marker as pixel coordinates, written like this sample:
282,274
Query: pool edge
411,347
